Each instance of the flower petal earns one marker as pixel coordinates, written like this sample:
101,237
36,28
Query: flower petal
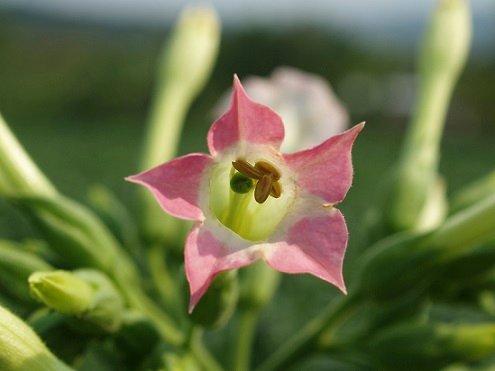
326,170
206,255
314,245
175,184
245,121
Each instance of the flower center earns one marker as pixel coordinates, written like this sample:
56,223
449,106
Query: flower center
266,175
250,197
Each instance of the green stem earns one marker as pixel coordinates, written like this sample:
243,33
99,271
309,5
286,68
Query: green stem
17,171
245,334
163,280
161,143
418,163
165,325
471,226
306,339
204,358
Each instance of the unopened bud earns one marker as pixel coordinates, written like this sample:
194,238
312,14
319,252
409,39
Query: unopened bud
21,349
85,294
61,291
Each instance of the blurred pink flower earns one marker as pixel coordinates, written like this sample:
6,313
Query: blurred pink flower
306,102
250,201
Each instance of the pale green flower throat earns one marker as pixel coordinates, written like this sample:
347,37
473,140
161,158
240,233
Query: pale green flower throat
251,209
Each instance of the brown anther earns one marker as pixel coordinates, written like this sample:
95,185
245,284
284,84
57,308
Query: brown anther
267,168
263,188
247,169
267,176
276,190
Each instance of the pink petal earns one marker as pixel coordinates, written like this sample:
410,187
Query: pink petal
175,184
247,121
314,245
326,170
207,255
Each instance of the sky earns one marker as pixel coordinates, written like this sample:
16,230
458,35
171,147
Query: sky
383,17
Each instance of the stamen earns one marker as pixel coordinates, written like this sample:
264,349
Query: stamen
247,169
264,172
276,190
263,188
267,168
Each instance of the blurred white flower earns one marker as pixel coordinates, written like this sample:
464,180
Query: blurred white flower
308,106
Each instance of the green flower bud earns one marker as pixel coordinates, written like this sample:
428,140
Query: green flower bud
21,349
62,291
85,294
186,64
444,52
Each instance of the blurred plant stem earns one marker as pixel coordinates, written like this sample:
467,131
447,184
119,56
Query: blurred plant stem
17,170
184,69
443,53
307,340
74,231
246,329
459,233
164,282
467,228
201,354
258,285
473,192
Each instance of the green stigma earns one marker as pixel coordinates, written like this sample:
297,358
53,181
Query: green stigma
239,183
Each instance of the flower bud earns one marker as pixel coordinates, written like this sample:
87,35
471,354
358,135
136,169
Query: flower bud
444,52
62,291
447,40
86,294
21,349
184,69
192,50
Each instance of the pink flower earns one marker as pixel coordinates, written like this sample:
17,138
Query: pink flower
250,201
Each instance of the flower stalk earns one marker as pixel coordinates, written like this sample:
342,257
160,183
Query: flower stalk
443,54
17,171
184,69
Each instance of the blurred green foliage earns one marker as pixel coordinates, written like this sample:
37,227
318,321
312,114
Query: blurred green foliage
76,95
